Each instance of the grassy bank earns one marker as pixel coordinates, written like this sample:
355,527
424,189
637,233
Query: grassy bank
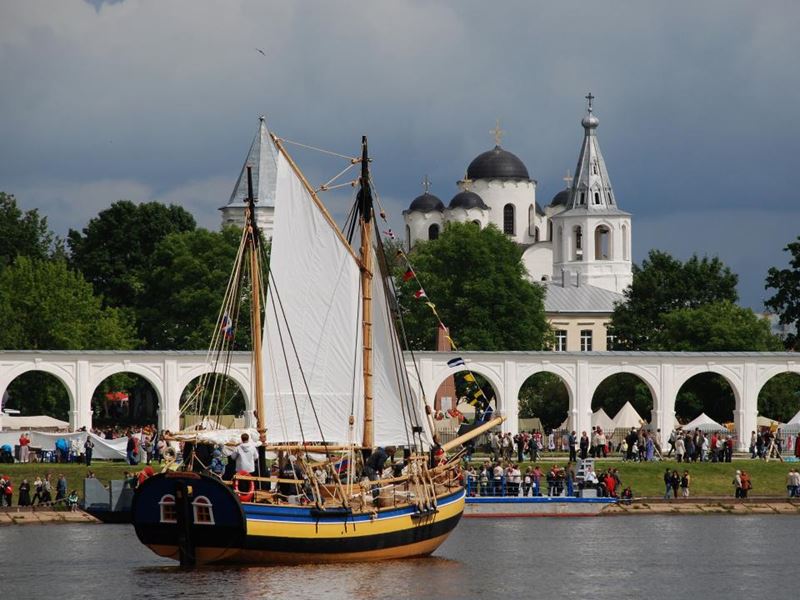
646,479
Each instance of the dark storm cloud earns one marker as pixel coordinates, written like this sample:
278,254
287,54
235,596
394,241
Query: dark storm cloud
153,100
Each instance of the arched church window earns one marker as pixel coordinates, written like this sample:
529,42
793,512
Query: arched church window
625,243
578,254
532,221
560,245
550,230
594,168
478,223
610,198
583,198
536,234
408,238
433,232
508,219
602,243
597,198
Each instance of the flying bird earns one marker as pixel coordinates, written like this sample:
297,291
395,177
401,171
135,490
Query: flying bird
262,52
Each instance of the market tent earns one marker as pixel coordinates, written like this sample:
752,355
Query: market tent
762,421
704,423
794,424
602,420
531,424
16,423
627,417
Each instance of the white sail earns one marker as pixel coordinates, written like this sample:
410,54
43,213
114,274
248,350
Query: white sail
395,411
314,288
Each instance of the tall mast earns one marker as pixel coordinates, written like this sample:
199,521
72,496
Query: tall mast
365,223
253,243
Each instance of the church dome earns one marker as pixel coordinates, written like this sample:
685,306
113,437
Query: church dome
560,199
427,202
497,164
467,200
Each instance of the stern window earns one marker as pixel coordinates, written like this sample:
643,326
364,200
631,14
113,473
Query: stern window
203,512
168,512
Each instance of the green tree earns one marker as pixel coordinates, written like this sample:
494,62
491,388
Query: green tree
661,285
22,233
114,250
780,397
184,288
545,396
786,300
478,283
46,306
715,327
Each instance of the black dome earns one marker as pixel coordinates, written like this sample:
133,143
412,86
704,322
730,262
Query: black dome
426,203
560,199
497,164
467,200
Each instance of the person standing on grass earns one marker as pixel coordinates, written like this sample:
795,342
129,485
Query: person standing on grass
737,482
667,484
674,482
24,498
88,449
747,484
61,487
685,479
680,448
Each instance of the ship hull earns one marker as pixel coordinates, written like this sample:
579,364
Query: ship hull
249,533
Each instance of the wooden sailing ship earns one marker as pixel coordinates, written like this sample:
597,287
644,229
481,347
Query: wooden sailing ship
331,388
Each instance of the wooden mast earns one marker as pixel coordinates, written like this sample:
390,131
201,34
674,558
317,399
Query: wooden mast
365,222
253,243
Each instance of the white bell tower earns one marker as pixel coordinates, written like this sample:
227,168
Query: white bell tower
592,237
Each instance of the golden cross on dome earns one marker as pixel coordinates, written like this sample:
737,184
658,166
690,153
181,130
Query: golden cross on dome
589,97
568,179
497,132
466,182
426,184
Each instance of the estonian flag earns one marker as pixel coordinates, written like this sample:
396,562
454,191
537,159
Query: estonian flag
408,275
456,362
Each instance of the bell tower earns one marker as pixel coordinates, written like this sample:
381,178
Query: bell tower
592,236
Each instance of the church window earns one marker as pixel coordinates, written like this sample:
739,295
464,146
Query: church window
596,198
561,340
578,252
559,245
478,223
586,340
610,198
602,243
594,168
508,219
408,238
625,243
535,234
203,512
168,512
583,198
550,230
433,232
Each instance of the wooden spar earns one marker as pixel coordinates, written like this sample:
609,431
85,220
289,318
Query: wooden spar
471,434
276,140
365,209
255,310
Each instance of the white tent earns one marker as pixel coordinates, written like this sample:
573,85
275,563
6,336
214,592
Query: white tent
602,420
33,422
627,417
793,425
762,421
704,423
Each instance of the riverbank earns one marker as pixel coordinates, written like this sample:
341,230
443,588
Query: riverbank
705,506
19,515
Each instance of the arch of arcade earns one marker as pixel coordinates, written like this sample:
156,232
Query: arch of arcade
169,372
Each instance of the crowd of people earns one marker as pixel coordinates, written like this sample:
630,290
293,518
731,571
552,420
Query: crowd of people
42,489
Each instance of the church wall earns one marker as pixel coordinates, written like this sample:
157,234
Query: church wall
419,223
496,193
538,260
460,215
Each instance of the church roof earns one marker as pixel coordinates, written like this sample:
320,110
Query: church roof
591,187
263,158
426,202
584,298
467,200
497,164
561,198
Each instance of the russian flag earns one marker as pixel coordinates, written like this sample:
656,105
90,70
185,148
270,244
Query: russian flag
227,327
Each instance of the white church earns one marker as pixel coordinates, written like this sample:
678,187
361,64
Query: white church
579,246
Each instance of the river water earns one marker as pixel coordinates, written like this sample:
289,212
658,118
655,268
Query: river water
695,557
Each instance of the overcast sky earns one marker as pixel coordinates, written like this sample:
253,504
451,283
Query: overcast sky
150,100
